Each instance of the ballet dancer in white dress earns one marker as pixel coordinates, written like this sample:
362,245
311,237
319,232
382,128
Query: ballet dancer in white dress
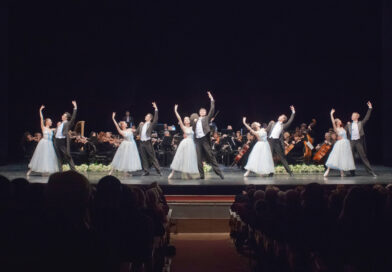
127,157
341,157
44,159
260,158
185,159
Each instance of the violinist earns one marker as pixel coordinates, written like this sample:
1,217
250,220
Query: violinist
296,154
238,139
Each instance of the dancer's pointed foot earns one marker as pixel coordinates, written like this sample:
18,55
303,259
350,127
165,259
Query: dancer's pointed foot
326,173
247,173
28,173
171,175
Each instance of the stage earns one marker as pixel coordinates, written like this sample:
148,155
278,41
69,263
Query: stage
233,183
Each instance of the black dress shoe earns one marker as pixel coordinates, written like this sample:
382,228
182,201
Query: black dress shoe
160,173
201,176
271,174
146,173
352,173
291,174
221,176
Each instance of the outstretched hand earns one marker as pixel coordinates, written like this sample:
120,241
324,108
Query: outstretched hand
74,104
114,115
332,111
210,95
41,108
175,107
244,120
292,108
369,105
154,105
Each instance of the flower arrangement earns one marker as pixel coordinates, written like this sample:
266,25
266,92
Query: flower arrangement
89,167
301,169
206,167
297,169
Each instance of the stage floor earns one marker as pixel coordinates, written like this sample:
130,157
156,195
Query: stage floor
233,176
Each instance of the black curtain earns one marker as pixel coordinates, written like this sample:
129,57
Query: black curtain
387,82
4,85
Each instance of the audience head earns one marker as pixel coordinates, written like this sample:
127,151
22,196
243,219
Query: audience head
68,196
313,197
109,192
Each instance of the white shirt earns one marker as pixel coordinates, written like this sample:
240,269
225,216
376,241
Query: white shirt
59,132
276,131
144,136
355,131
199,129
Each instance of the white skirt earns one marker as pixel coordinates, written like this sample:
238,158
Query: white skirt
260,159
185,159
127,157
341,156
44,159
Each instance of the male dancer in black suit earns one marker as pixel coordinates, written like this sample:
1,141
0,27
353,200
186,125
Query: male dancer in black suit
356,134
201,127
147,152
62,139
275,137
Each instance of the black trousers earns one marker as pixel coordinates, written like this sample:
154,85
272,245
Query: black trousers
276,146
147,153
63,155
358,145
203,150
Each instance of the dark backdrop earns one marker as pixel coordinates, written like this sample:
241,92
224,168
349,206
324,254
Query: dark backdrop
257,60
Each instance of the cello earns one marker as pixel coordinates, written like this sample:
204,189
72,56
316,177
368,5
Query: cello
308,143
322,152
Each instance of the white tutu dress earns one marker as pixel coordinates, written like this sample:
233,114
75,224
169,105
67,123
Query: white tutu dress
44,159
127,157
185,159
260,159
341,156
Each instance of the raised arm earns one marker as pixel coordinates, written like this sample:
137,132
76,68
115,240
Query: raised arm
291,119
179,117
333,119
155,119
212,106
117,126
249,128
73,114
41,118
368,113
